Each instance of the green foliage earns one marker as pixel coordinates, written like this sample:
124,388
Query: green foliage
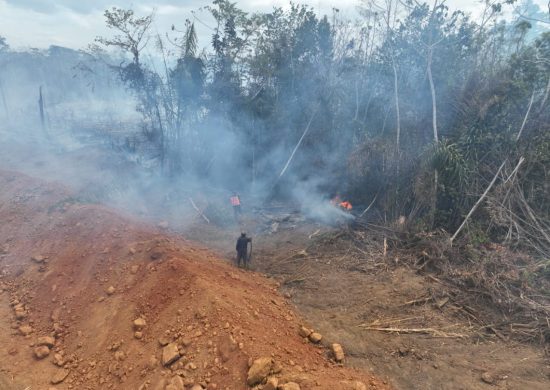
268,76
477,234
131,31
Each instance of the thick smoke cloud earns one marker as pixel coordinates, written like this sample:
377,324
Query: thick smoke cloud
92,141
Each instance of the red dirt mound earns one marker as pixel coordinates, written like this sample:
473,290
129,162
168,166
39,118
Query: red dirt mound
90,299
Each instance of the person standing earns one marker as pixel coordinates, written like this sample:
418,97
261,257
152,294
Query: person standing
242,250
236,203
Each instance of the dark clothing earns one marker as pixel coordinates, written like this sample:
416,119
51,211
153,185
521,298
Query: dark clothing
242,244
242,249
242,256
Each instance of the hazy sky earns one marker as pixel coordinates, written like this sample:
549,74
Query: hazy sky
75,23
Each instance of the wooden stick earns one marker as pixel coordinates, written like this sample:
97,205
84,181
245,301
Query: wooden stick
198,211
299,142
526,116
430,331
478,202
377,322
416,301
314,234
297,280
370,205
513,174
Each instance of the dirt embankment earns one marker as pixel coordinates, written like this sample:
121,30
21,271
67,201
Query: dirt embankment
91,299
411,328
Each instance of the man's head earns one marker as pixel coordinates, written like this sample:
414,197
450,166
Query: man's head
243,234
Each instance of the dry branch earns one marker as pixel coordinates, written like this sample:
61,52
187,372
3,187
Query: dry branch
379,322
429,331
417,301
526,116
198,211
480,200
368,208
299,143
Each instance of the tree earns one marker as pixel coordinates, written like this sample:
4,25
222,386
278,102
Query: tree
132,31
4,47
372,107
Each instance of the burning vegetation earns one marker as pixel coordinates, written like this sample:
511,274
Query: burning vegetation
413,138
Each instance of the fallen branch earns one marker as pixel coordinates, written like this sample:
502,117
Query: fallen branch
299,143
378,322
198,211
368,208
429,331
480,200
291,281
526,115
314,233
417,301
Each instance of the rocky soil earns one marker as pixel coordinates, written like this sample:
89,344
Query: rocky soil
91,299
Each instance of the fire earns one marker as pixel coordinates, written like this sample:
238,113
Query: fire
346,205
338,202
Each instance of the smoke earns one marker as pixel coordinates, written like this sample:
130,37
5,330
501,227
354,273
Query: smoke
95,139
92,140
313,93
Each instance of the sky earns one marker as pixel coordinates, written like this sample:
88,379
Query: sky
75,23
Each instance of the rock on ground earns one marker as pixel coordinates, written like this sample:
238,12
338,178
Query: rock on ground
160,385
48,341
38,259
259,370
290,386
25,330
271,384
355,385
304,332
139,324
60,376
176,383
170,354
315,337
487,377
338,352
41,352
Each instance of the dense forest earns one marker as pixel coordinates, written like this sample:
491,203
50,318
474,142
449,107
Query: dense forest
425,112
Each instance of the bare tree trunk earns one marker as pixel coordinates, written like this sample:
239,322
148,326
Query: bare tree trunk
397,112
432,89
41,109
162,140
4,102
546,92
356,101
526,115
253,157
434,125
